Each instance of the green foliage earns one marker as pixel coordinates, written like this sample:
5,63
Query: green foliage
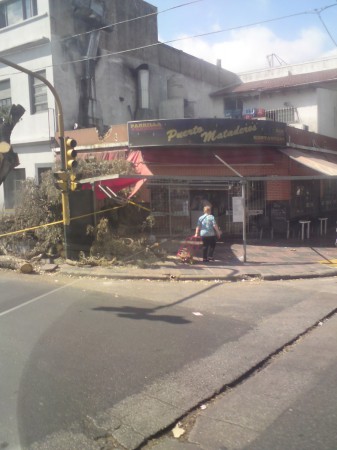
41,204
149,223
94,168
37,205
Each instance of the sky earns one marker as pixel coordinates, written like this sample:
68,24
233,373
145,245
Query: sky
250,34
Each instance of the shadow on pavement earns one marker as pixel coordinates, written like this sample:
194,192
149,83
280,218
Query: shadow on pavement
129,312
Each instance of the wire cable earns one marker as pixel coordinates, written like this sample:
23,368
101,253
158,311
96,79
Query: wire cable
275,19
318,12
130,20
196,35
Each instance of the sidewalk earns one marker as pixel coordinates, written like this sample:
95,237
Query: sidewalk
280,407
265,259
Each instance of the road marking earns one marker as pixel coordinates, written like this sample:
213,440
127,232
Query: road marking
330,262
36,299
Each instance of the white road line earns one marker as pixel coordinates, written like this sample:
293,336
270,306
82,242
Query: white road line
36,299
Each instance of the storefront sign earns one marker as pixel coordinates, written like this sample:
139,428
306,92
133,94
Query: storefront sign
238,209
194,132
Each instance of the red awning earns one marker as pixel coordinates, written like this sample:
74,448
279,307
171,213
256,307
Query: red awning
202,162
108,186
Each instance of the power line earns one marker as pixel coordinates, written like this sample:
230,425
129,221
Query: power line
111,25
199,35
130,20
275,19
318,12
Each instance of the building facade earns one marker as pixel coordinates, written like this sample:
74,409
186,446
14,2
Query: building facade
104,60
301,95
285,174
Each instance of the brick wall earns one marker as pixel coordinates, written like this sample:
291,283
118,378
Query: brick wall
278,190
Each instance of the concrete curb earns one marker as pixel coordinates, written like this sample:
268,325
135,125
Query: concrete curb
181,277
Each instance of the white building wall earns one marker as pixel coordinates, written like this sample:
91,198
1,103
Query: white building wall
28,44
41,125
293,69
304,101
317,107
327,112
25,34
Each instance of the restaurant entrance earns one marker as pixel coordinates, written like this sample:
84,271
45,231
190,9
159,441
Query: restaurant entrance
177,209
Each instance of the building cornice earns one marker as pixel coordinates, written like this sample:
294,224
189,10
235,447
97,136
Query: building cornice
22,47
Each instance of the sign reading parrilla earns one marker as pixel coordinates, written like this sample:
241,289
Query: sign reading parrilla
194,132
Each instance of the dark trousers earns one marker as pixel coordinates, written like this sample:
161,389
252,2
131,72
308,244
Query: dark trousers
208,246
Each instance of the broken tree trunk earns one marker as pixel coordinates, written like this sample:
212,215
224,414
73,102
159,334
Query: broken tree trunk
15,264
8,158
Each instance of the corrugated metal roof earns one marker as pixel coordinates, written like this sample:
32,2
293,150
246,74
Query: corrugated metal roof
289,81
320,163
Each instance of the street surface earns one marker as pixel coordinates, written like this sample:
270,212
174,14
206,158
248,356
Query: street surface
82,359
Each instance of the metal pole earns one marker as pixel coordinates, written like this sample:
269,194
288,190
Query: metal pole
243,194
244,222
170,211
60,123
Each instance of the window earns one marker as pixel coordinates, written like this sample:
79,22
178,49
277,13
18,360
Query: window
12,186
286,115
329,200
40,171
233,108
5,94
39,101
304,198
15,11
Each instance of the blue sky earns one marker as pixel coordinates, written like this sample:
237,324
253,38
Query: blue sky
301,38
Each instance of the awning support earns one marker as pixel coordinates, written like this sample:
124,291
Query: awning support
243,190
107,191
111,194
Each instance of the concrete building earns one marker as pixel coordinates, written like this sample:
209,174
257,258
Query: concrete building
104,59
301,95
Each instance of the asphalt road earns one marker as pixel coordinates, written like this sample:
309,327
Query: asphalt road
79,357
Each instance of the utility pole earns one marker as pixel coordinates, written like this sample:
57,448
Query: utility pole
60,123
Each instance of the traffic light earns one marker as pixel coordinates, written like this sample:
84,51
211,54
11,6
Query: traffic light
74,185
61,180
70,153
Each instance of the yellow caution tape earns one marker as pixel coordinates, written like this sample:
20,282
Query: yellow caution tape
32,228
11,233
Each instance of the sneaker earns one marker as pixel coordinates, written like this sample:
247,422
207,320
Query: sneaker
205,260
210,258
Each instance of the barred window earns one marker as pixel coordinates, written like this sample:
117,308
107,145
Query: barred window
39,100
5,94
285,115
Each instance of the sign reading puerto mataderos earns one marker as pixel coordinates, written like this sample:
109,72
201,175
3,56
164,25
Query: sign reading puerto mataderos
210,132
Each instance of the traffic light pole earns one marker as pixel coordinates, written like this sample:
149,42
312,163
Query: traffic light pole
60,123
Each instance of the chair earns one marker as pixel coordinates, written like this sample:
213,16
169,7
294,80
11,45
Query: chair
305,228
323,225
280,227
263,224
